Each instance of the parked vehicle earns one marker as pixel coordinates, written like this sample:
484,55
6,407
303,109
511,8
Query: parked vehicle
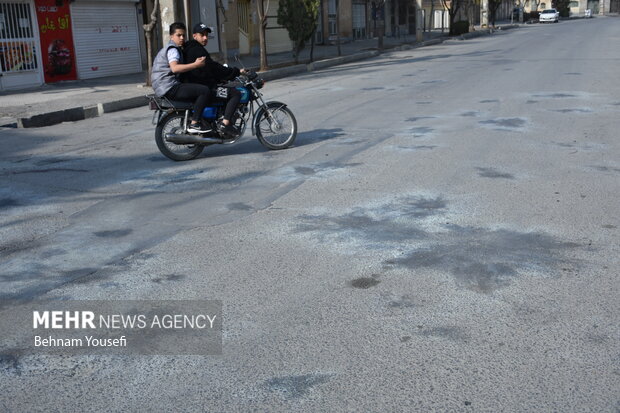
549,15
273,123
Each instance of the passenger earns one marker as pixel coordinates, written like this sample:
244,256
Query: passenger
166,77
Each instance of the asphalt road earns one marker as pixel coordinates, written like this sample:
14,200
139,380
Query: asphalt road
442,237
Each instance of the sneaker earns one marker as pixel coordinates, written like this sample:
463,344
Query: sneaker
228,130
197,128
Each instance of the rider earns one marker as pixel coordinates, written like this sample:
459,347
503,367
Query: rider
165,78
212,73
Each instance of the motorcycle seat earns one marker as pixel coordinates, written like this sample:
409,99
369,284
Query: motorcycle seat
176,104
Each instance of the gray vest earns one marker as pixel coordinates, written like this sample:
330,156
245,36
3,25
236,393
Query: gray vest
162,78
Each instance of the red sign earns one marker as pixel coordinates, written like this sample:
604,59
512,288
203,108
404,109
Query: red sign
57,50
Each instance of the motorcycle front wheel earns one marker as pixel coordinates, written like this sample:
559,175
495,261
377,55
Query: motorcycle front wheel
276,126
173,123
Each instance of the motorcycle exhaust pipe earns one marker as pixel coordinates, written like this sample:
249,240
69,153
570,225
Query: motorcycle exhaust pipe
189,139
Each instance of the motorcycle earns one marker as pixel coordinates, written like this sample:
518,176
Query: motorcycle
273,123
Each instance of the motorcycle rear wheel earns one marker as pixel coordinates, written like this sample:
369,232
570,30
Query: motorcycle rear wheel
277,131
173,123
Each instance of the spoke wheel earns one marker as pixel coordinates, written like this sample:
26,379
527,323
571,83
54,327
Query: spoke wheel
173,123
276,126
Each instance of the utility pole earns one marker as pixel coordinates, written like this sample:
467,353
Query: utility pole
419,23
484,13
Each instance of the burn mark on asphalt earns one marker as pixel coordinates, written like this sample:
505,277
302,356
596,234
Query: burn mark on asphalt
576,110
416,148
609,226
303,170
573,74
423,207
239,206
424,103
493,173
602,168
422,130
479,259
433,81
8,203
85,275
471,114
530,102
10,363
555,95
50,161
373,88
118,233
364,282
485,260
168,278
53,253
417,118
490,101
294,387
508,123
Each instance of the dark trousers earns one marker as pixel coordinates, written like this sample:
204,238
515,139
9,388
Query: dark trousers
191,92
232,97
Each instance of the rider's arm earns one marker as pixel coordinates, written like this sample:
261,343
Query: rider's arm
176,67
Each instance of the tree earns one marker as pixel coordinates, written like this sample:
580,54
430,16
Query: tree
299,17
148,33
453,7
378,15
262,8
562,6
493,7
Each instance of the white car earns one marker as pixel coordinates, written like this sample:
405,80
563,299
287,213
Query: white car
549,15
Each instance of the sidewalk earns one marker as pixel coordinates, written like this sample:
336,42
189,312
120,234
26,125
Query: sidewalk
76,100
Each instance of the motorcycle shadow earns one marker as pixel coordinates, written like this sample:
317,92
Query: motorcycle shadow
249,145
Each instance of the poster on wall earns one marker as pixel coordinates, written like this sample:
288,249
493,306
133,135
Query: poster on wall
57,50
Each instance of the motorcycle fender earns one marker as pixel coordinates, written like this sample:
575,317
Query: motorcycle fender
259,112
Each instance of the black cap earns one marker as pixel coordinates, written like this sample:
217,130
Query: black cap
201,28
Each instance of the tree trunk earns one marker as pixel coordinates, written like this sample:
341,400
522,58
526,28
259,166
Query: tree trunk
381,25
148,33
262,18
222,36
338,27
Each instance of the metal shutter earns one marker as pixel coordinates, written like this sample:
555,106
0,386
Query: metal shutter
106,38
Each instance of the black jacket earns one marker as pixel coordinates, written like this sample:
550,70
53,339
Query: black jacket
212,72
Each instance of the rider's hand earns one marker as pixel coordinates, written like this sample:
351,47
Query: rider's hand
200,62
243,71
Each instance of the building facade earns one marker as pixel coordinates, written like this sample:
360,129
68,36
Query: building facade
46,41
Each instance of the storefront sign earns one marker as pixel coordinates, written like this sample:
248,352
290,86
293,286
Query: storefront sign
57,50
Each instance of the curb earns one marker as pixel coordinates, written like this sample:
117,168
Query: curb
78,113
274,74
